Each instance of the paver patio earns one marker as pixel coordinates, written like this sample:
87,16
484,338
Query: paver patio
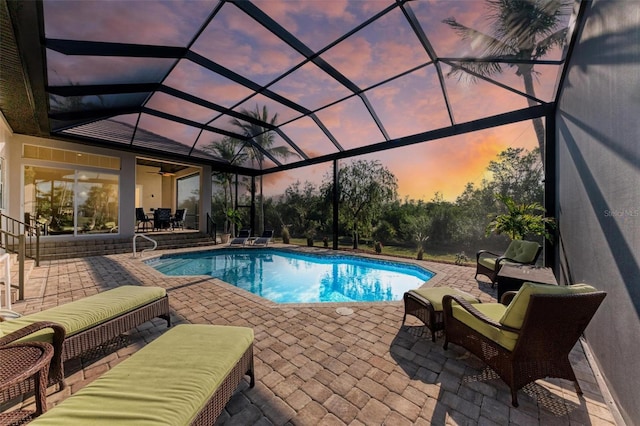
316,366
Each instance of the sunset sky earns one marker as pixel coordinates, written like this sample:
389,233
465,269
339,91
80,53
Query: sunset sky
443,166
382,70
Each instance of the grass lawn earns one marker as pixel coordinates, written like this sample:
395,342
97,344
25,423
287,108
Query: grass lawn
396,251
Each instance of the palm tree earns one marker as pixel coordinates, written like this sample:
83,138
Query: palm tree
260,140
521,220
523,31
229,149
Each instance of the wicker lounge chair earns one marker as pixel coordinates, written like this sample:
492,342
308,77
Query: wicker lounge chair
264,239
530,338
519,252
88,323
242,238
186,376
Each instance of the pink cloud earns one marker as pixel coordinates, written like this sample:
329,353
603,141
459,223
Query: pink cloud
352,58
173,23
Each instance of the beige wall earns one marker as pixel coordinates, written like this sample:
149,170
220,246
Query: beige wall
162,188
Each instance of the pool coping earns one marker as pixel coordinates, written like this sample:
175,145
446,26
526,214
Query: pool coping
435,279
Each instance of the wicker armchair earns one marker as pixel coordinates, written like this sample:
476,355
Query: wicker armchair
519,252
529,339
56,372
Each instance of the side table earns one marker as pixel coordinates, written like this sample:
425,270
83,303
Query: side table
511,277
19,362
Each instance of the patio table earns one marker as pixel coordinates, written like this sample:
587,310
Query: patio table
511,277
18,362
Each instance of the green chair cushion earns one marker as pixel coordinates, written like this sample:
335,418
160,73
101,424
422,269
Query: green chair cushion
435,294
165,383
522,251
488,262
515,312
494,311
83,314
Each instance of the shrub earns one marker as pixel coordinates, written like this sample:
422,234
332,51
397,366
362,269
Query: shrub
286,238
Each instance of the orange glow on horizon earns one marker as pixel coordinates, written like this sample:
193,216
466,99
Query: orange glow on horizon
440,166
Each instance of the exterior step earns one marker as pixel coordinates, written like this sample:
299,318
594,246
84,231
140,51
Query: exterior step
54,250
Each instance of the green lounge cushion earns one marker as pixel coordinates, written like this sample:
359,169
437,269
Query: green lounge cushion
522,251
88,312
165,383
519,250
489,262
515,312
435,294
495,311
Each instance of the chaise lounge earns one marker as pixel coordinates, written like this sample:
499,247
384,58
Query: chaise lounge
184,377
264,239
242,238
86,323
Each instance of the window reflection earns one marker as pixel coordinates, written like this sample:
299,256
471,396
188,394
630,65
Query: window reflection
188,198
67,201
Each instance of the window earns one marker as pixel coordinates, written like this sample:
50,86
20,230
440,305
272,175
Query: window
68,201
188,197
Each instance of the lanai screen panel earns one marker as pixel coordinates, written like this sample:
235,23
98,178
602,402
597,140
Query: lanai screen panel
354,74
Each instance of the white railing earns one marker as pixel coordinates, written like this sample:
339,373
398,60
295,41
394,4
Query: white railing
7,279
155,244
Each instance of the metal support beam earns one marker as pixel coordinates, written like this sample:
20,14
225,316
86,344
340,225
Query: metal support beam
334,203
550,185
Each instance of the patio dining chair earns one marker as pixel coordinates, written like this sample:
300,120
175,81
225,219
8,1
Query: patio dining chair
177,220
142,219
526,337
161,218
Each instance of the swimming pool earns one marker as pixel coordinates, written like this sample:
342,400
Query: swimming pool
286,276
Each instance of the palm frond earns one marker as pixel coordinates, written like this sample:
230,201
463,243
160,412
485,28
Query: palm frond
490,46
465,70
556,39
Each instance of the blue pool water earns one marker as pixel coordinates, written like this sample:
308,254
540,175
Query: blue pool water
285,276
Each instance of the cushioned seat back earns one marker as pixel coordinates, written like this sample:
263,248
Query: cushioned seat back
522,251
517,309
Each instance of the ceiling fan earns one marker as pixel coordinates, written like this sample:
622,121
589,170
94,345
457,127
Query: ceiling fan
165,170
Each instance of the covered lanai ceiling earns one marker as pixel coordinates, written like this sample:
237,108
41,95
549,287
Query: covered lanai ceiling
323,79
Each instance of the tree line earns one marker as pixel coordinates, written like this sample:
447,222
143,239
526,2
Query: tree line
370,209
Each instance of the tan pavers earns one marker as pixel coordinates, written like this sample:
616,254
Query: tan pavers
315,366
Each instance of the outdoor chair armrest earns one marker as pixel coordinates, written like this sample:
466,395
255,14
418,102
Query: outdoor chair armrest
501,259
481,252
447,302
446,305
58,333
507,297
57,341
